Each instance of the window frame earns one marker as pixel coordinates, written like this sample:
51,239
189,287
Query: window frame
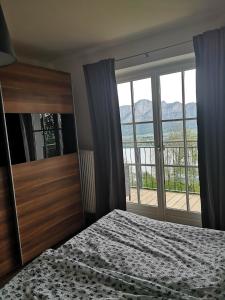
184,217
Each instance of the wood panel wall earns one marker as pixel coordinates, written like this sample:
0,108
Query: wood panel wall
31,89
48,202
8,242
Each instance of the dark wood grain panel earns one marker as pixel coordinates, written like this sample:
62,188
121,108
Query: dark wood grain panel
48,202
31,89
8,243
70,226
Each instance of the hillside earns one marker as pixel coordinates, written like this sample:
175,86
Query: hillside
143,112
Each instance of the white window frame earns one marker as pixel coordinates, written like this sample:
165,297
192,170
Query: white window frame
177,216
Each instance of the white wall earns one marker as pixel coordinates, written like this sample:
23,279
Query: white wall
171,36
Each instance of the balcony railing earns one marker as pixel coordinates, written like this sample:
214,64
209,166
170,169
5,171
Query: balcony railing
181,173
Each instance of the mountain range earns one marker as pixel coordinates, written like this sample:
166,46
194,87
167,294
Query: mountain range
143,112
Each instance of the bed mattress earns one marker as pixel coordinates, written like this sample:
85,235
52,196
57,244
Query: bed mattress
125,256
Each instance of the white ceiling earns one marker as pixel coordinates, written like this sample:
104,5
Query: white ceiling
46,29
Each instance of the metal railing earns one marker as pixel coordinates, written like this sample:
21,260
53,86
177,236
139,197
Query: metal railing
140,168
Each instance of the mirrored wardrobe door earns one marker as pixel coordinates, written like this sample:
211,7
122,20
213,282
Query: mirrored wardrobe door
44,160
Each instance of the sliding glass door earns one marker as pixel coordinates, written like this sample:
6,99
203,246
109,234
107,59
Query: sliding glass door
159,130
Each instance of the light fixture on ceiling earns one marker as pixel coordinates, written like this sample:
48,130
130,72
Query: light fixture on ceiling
7,54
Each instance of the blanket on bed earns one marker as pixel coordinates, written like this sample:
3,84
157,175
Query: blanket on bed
125,256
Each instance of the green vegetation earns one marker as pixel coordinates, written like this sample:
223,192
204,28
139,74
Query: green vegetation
174,155
174,183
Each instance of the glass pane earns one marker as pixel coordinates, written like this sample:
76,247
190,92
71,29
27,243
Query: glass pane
132,176
124,95
173,133
128,154
193,180
148,178
195,203
191,130
131,183
175,179
194,189
143,100
171,96
192,154
174,155
175,188
127,133
190,93
148,186
144,133
176,200
147,154
39,145
191,110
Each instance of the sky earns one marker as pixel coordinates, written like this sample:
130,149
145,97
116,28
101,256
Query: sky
170,88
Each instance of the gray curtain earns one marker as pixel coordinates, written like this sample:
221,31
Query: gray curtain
210,67
107,137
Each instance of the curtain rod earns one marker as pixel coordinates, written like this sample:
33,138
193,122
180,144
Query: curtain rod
146,53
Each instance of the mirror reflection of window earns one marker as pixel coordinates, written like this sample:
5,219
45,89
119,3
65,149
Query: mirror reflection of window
47,134
40,136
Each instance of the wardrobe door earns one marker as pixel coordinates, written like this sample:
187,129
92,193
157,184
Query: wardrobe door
42,140
9,248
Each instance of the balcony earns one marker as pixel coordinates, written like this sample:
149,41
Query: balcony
174,200
180,176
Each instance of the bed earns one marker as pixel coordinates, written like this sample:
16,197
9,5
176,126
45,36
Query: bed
125,256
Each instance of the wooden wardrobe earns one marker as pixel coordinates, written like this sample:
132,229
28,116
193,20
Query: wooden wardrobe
40,203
